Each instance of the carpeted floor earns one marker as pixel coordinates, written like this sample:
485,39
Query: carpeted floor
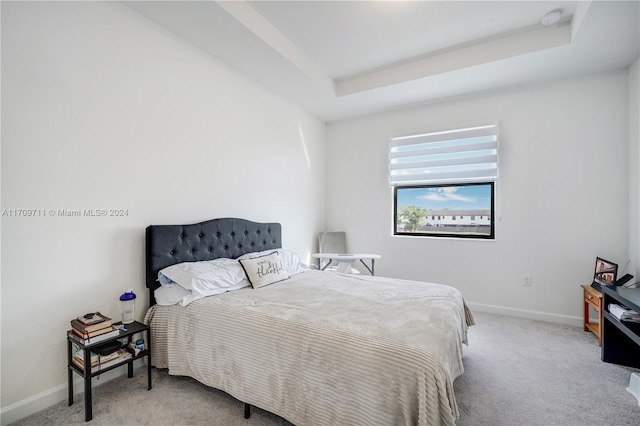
517,372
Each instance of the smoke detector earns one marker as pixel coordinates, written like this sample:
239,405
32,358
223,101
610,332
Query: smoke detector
552,17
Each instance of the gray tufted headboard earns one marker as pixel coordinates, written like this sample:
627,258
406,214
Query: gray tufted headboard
167,245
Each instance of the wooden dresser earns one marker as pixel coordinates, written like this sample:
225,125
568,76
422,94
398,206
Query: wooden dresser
592,297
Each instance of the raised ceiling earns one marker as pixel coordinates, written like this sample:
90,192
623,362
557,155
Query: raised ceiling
340,59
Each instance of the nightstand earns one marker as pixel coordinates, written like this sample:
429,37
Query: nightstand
592,297
86,373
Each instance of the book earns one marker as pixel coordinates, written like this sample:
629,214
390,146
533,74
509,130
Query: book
90,329
88,340
90,334
94,332
75,323
118,357
623,314
95,357
78,354
93,319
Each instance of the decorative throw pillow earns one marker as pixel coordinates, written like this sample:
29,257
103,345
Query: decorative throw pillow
290,260
264,270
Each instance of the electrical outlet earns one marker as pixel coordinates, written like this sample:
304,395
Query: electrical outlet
526,280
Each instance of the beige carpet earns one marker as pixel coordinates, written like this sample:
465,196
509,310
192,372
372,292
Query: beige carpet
517,372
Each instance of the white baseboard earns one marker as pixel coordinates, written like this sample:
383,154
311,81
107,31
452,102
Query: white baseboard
21,409
526,313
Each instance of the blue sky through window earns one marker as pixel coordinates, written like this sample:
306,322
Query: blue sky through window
470,197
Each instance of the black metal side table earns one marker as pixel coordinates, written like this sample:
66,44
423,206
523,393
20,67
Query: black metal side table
86,373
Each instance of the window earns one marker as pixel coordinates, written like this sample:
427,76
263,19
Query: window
451,204
448,174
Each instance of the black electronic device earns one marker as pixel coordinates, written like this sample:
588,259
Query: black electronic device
624,279
605,274
107,348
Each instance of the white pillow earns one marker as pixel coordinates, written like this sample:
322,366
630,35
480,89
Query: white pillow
170,294
264,270
205,278
290,260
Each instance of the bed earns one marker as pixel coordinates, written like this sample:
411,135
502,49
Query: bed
317,348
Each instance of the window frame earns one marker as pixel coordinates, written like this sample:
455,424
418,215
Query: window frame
445,234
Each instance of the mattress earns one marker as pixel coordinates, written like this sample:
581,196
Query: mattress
324,348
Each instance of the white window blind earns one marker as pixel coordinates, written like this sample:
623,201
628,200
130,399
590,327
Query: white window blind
451,156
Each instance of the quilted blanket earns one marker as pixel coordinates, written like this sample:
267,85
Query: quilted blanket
324,348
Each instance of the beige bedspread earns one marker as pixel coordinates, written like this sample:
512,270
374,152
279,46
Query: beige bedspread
324,348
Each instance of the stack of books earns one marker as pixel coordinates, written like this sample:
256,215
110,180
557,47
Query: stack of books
93,329
99,362
624,314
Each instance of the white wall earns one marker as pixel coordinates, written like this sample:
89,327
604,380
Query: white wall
562,194
634,169
102,109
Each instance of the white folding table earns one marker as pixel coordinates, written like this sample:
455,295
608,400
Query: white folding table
346,260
